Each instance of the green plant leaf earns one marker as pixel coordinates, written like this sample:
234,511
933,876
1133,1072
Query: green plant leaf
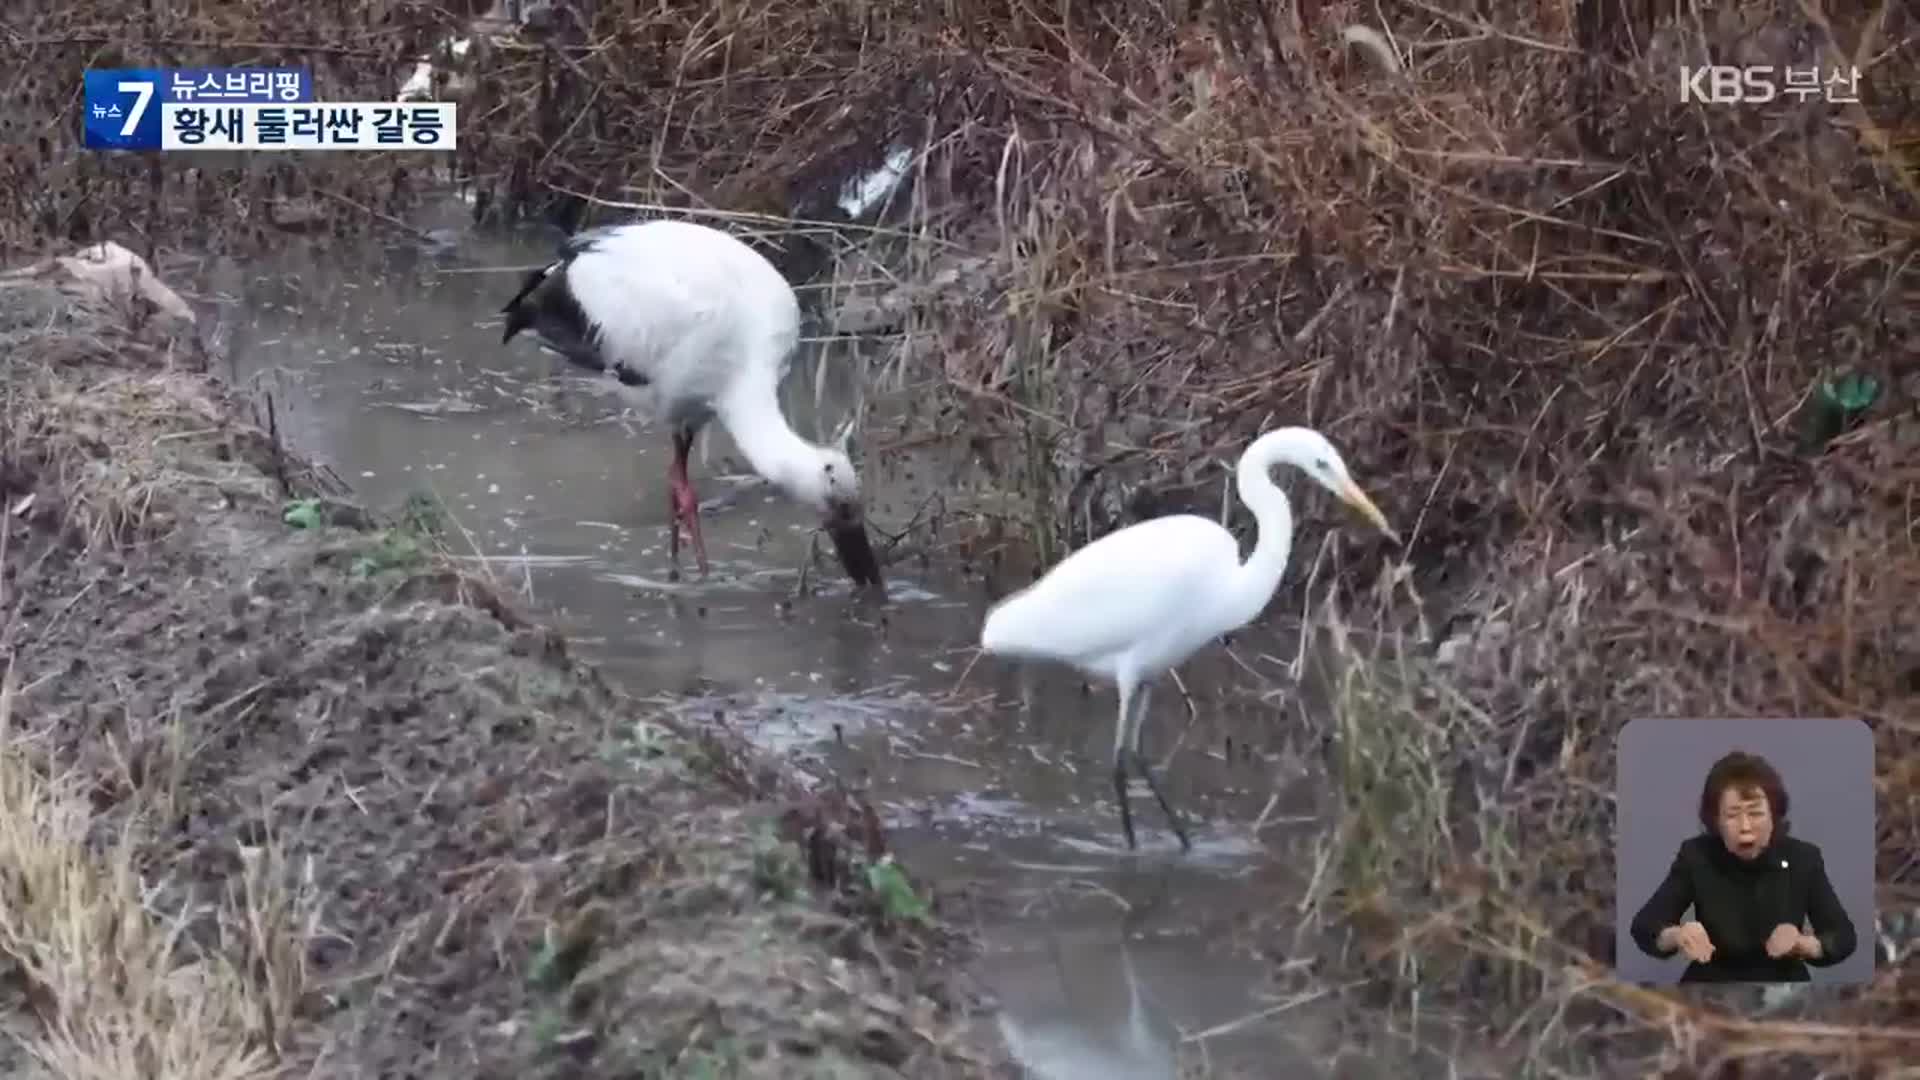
422,514
302,514
896,894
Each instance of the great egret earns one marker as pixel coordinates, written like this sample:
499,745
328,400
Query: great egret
693,324
1137,603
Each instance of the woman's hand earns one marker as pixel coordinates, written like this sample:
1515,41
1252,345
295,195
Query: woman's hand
1692,940
1787,940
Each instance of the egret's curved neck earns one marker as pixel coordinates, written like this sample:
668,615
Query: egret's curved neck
1260,574
750,408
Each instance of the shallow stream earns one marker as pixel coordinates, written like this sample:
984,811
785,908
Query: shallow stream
386,364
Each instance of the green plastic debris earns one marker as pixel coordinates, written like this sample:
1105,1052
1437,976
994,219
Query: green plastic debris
1852,394
1838,405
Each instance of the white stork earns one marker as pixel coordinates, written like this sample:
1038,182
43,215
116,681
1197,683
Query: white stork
693,324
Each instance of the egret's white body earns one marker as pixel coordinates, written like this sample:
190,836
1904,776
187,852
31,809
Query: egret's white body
1138,602
693,325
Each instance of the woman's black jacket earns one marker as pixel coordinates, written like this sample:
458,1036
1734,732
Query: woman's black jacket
1740,901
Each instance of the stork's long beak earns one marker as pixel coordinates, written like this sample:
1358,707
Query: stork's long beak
1354,497
846,523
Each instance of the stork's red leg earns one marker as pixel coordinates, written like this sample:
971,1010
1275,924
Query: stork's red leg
686,505
674,480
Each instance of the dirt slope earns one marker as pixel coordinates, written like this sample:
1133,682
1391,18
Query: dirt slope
283,789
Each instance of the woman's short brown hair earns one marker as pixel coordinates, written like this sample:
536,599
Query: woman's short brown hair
1747,772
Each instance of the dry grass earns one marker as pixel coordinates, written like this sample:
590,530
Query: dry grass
118,456
1448,881
128,973
119,986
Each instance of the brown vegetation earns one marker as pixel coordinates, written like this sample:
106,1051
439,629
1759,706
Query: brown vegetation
1576,331
1571,331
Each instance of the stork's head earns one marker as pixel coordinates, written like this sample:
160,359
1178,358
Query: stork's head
830,486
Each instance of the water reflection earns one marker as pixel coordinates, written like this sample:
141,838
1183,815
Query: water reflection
1136,995
1086,1034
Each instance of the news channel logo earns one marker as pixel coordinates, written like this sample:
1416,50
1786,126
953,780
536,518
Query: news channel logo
1727,84
248,109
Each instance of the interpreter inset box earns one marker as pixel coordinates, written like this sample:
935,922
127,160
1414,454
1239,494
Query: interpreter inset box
1744,851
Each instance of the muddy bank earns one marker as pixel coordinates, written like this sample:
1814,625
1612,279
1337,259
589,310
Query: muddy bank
396,827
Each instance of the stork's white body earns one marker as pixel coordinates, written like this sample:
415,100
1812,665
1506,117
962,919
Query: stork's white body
692,324
706,319
1136,603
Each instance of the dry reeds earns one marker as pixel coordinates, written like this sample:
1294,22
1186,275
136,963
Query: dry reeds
117,985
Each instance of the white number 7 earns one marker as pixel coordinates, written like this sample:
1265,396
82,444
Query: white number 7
142,94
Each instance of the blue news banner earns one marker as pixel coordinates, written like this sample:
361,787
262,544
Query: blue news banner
248,109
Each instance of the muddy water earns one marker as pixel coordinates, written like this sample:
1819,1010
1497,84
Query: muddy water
386,364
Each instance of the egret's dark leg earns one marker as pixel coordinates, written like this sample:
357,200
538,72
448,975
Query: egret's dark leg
1120,741
686,505
1173,818
1146,770
1120,793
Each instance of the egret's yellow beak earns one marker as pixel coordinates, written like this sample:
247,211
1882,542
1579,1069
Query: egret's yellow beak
1354,497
